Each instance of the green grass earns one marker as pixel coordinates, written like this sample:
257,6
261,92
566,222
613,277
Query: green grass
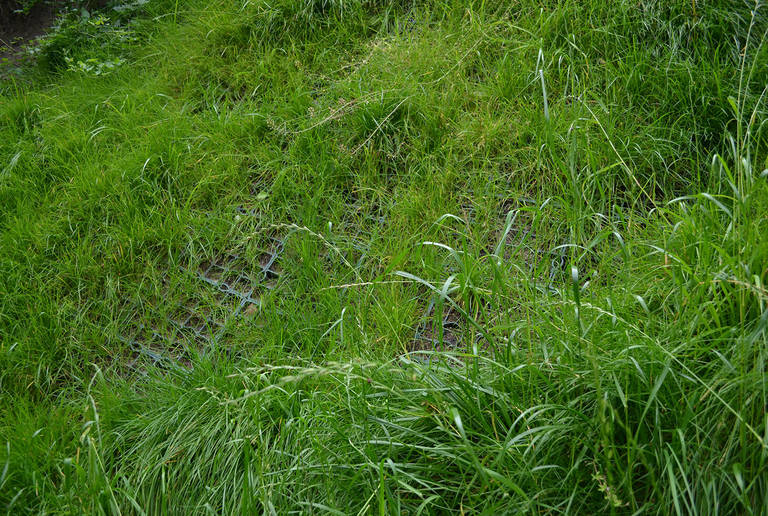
522,255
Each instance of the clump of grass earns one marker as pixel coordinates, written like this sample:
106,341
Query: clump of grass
522,262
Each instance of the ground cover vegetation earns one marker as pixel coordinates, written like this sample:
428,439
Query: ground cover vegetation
383,256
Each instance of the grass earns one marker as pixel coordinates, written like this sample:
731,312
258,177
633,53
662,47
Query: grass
504,258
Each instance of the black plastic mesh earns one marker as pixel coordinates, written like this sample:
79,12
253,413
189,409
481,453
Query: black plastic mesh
229,285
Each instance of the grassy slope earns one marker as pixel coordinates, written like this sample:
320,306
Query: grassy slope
605,345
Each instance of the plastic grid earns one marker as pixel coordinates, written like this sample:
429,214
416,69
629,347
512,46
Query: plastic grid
426,336
189,326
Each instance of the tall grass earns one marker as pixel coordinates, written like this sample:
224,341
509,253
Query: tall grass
522,267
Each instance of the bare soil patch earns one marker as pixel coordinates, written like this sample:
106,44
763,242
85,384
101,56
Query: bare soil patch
17,28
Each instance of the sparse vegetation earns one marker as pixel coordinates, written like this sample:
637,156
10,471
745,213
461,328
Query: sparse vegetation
377,256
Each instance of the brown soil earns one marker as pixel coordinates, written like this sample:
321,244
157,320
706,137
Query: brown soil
19,29
16,29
